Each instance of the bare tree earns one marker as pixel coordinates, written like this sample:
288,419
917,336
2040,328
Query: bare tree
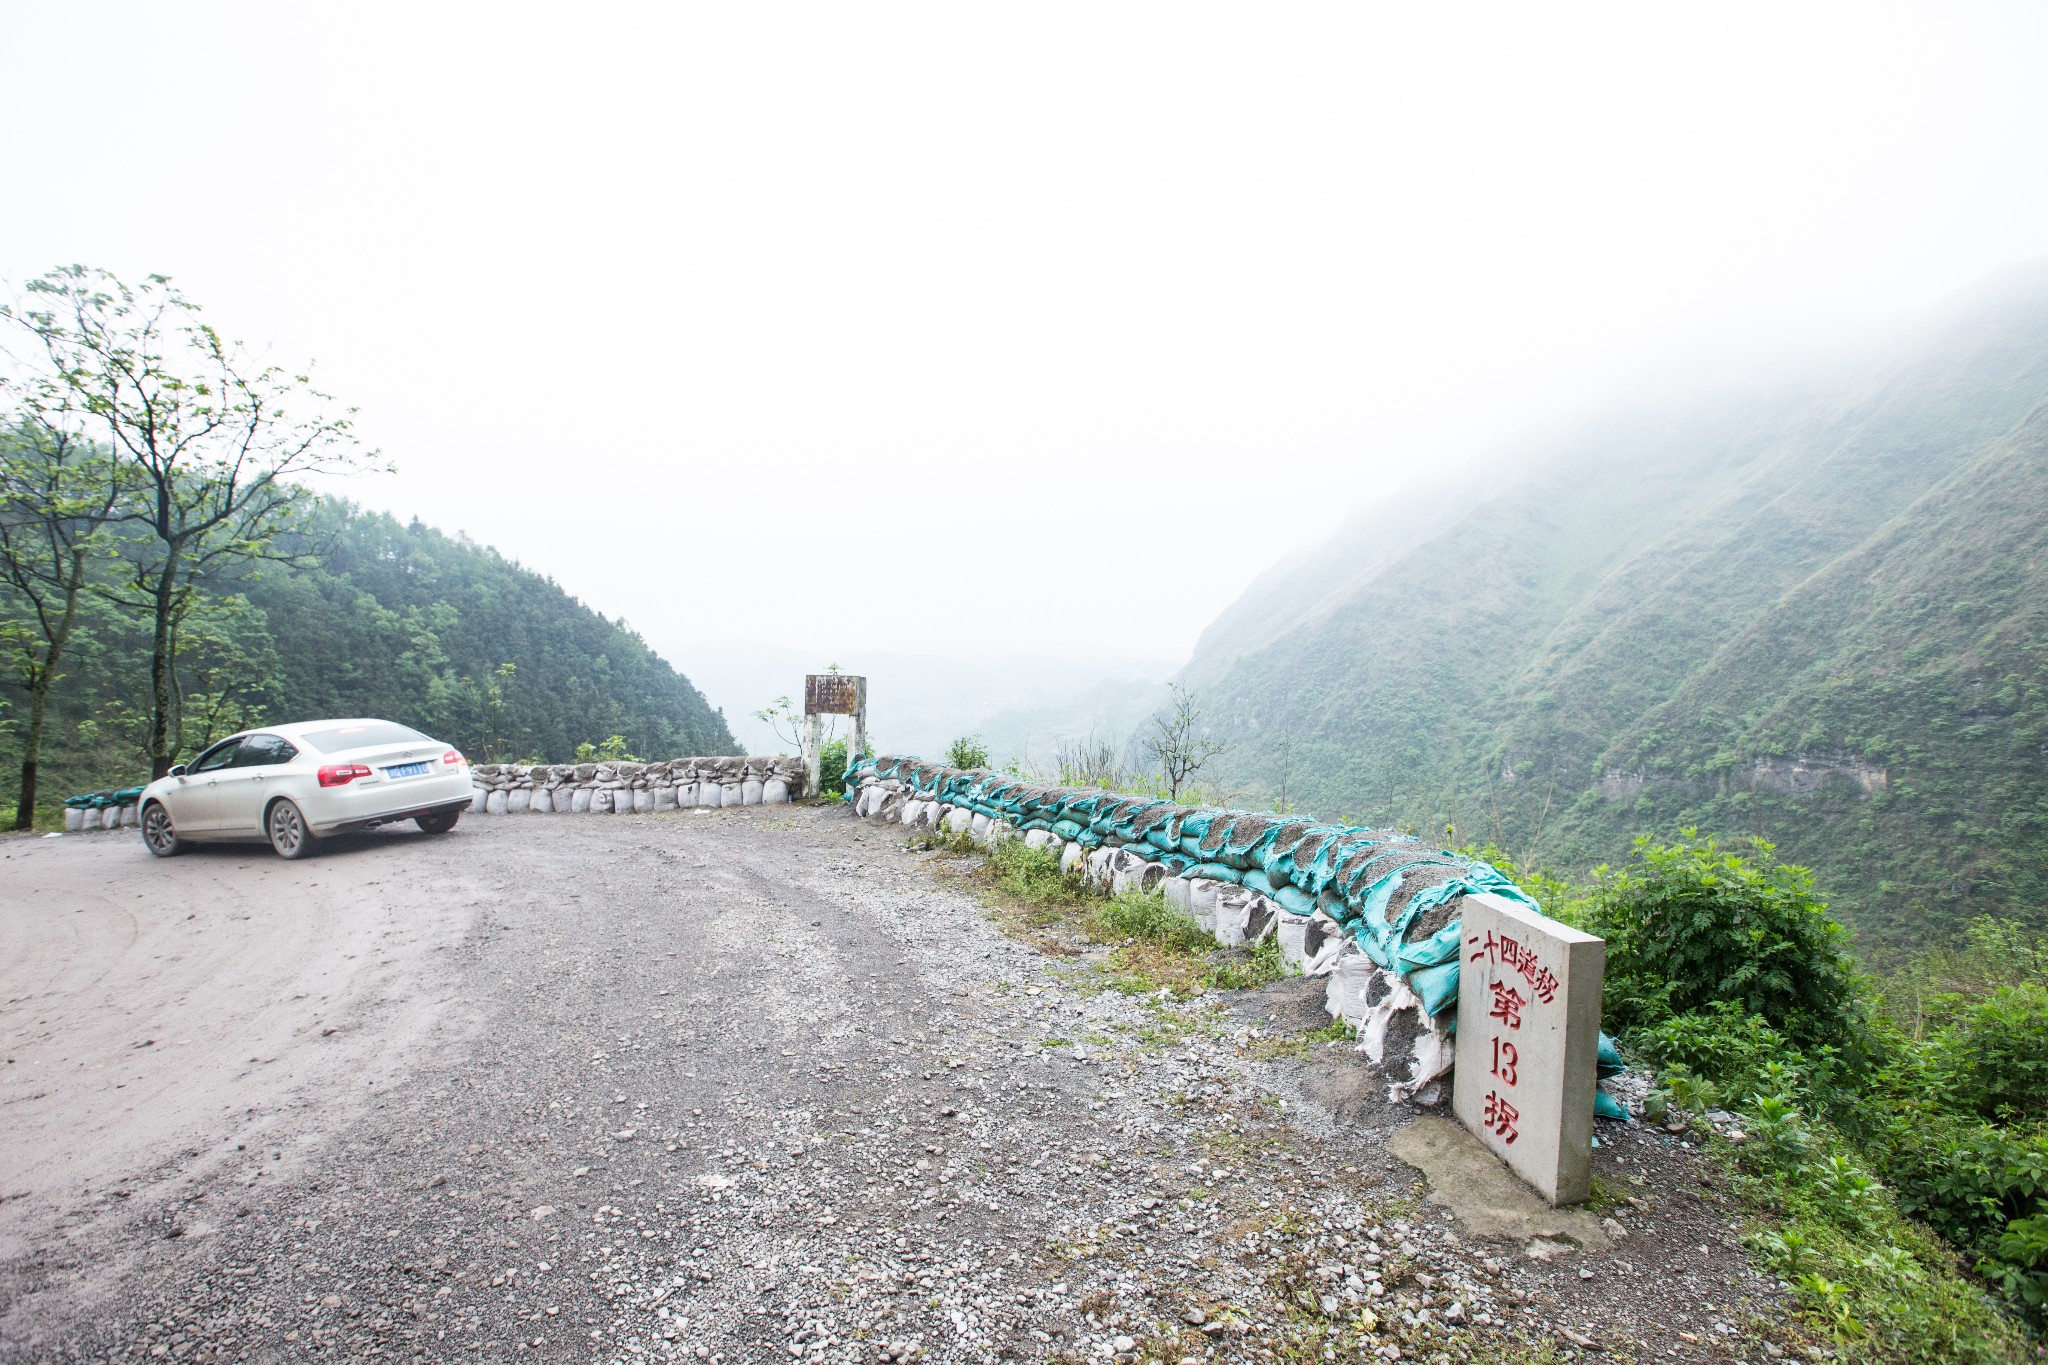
213,438
1182,747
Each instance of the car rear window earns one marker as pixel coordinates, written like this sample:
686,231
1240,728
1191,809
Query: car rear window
356,736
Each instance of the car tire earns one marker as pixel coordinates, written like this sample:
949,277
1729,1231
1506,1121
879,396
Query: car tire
285,823
159,835
437,822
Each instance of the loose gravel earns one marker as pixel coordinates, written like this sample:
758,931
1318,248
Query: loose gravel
762,1085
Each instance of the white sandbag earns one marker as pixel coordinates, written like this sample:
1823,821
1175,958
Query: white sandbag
750,792
1292,931
1070,855
643,801
579,800
1348,996
601,801
542,802
729,794
977,827
495,803
478,799
775,791
1178,893
1039,838
959,819
709,795
518,801
1233,911
73,818
89,818
664,798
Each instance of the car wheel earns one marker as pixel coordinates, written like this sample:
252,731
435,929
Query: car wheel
287,830
437,822
159,835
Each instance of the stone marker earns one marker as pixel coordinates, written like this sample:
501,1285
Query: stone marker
1528,1043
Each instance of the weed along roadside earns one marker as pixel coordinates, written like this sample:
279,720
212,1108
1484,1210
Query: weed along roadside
1796,1148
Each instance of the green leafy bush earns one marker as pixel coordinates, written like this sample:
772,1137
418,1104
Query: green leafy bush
1736,1053
832,768
1147,916
968,751
1690,924
1991,1059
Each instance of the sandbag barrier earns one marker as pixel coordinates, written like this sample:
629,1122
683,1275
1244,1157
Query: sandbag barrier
1375,911
111,809
624,788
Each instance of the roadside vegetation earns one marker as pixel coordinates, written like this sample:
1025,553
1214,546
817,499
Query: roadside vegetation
1153,945
1889,1133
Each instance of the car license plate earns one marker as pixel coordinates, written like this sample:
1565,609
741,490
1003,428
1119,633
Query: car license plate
407,770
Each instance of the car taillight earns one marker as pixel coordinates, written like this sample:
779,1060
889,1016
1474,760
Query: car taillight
451,757
341,774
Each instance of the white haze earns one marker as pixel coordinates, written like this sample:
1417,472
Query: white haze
954,330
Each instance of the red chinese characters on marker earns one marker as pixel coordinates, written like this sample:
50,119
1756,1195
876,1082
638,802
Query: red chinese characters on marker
1506,1007
1501,1117
1506,952
1507,1004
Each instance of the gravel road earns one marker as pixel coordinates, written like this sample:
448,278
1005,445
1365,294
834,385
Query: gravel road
745,1085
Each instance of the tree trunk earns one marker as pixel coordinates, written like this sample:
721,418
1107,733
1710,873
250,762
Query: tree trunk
160,672
25,812
39,697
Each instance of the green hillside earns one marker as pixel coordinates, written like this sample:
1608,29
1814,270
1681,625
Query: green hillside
374,617
1813,612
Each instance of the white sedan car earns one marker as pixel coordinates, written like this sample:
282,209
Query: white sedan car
292,784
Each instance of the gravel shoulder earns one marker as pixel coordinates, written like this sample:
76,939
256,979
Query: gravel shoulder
739,1085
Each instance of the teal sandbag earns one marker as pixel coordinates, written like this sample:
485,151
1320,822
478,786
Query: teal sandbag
1437,987
1159,839
1029,825
1295,901
1176,864
1259,882
1439,947
1215,872
1605,1106
1609,1058
1066,829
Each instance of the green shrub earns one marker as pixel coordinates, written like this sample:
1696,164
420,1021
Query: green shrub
968,751
1030,875
832,768
1736,1053
1991,1058
1145,915
1690,924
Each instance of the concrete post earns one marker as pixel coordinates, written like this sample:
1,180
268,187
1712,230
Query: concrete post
1528,1042
814,753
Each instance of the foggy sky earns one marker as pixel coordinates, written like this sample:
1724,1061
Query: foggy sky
716,313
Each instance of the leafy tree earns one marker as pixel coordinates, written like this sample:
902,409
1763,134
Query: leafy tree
211,437
57,498
1182,746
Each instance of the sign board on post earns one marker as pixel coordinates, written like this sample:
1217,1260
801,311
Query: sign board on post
832,694
1529,1043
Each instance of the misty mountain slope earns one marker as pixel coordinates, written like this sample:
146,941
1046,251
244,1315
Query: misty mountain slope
1913,672
1810,612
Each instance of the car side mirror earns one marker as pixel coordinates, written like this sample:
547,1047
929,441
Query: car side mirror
177,770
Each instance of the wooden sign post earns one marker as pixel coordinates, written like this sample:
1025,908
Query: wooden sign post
832,694
1529,1043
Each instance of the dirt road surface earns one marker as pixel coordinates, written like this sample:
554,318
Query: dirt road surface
746,1085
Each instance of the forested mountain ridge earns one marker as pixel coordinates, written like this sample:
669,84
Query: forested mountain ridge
368,616
1811,612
